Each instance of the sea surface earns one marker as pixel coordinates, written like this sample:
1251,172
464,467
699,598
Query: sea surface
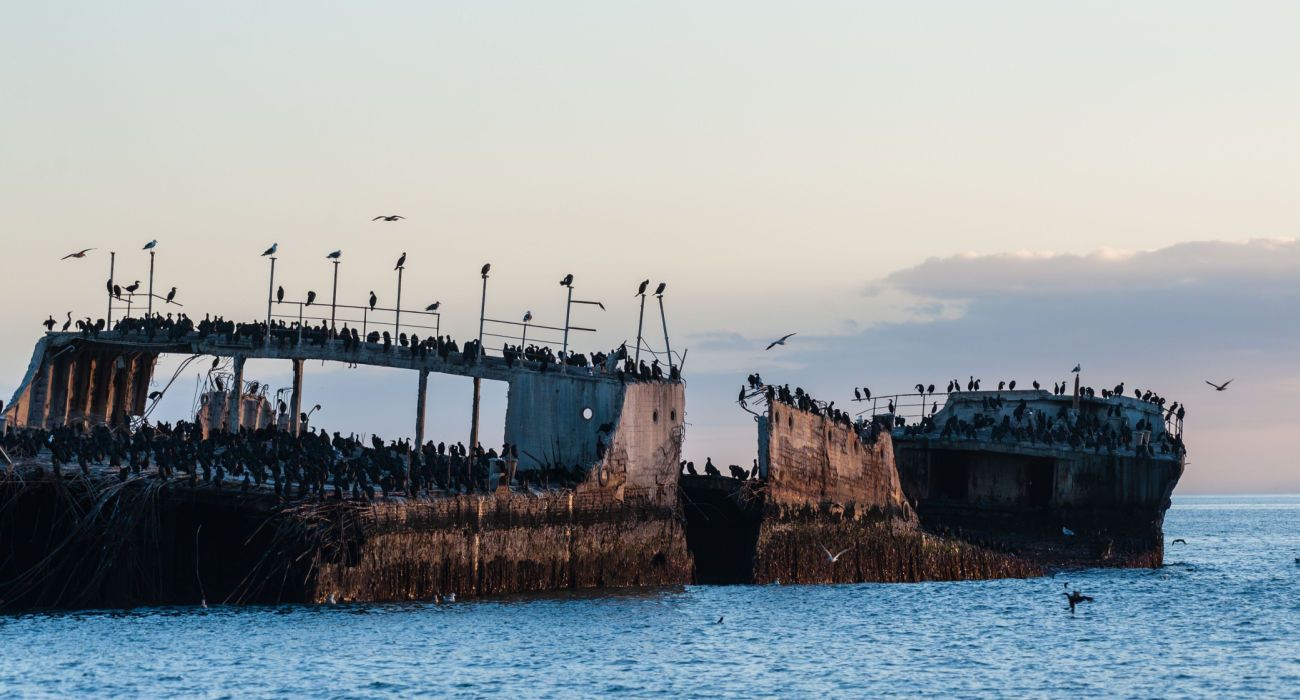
1221,619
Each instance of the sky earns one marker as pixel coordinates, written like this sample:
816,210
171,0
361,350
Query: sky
920,190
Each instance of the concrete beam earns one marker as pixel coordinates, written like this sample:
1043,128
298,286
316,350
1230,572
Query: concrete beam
235,404
295,402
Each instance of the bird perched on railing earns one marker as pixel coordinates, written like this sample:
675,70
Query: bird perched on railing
279,294
271,251
171,296
49,323
68,323
311,296
130,289
433,307
373,300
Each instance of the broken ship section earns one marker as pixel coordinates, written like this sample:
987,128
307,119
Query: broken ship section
824,488
74,540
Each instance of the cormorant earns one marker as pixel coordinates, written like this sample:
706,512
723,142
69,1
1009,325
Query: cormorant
929,389
1012,385
373,300
279,294
271,251
690,469
433,307
117,291
528,316
857,395
154,395
311,296
68,323
1077,369
567,281
487,267
1036,384
866,393
659,291
1179,541
78,254
709,469
388,217
49,323
171,296
640,291
400,261
780,341
1075,598
335,255
131,288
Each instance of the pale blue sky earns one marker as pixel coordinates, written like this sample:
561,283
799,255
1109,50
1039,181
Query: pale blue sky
770,160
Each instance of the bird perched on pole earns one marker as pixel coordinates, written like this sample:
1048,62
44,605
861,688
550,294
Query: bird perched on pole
311,296
528,316
567,281
271,251
78,254
400,262
487,267
150,245
117,291
388,217
659,291
1077,369
640,291
335,255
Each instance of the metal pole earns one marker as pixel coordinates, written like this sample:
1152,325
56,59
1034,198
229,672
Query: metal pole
112,266
482,312
667,347
270,294
300,323
567,306
478,381
423,394
397,320
640,323
150,311
523,342
334,300
235,412
295,402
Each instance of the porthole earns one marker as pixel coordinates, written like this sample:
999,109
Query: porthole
655,416
672,416
586,414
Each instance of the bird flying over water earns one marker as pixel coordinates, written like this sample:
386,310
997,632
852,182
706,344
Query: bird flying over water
1219,387
78,254
832,558
150,245
388,217
780,341
271,251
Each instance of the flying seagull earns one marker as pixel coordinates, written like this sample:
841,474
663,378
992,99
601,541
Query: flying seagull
1219,387
149,245
782,340
832,558
271,251
79,254
389,217
335,255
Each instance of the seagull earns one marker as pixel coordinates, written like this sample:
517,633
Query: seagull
640,291
79,254
433,307
400,262
832,558
1075,598
567,281
1067,531
171,295
1179,541
784,338
1219,387
335,255
271,251
311,296
389,217
1077,369
150,245
486,268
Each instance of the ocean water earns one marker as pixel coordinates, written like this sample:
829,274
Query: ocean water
1222,619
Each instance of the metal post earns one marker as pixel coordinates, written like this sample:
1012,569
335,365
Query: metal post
567,306
295,402
112,266
523,341
270,294
667,347
640,323
300,307
237,395
478,381
150,311
334,299
421,400
482,313
397,319
1076,392
365,317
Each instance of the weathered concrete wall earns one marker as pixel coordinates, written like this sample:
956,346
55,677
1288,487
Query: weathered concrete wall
812,460
81,383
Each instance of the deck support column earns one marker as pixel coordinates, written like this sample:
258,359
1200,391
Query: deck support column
295,402
473,419
235,402
421,401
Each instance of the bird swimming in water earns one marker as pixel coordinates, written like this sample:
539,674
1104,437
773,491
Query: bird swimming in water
150,245
1219,387
311,296
400,261
373,300
433,307
78,254
171,296
1075,597
832,558
719,620
388,217
335,255
271,251
780,341
640,290
567,281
